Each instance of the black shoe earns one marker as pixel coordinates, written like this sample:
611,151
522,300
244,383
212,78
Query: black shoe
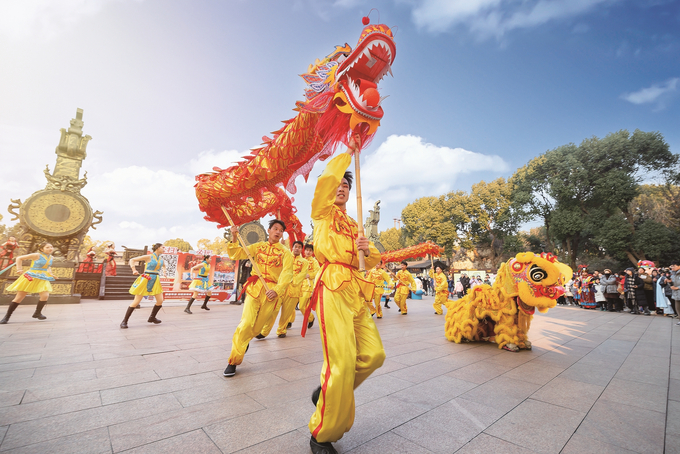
648,313
315,395
282,335
205,307
310,324
321,448
230,371
387,307
399,310
188,311
290,325
39,316
260,336
154,312
128,313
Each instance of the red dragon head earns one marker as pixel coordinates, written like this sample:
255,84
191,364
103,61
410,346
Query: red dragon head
348,80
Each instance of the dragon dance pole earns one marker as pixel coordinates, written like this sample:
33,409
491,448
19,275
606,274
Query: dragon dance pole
360,217
8,268
243,245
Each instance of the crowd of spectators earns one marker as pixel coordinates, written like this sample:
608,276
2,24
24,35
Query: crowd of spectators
644,290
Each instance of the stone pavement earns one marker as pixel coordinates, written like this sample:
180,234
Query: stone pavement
595,382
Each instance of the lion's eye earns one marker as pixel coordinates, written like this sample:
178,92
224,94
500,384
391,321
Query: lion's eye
537,274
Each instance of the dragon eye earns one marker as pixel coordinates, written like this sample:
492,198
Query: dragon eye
537,274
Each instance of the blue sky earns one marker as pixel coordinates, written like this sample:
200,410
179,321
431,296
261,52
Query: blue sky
171,89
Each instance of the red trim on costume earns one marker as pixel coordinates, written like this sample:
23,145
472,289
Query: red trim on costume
327,375
251,280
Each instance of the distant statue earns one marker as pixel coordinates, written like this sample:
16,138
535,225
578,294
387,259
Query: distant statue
371,224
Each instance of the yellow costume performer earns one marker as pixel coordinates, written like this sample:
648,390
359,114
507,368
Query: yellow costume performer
287,302
275,263
351,343
378,276
308,285
405,282
441,289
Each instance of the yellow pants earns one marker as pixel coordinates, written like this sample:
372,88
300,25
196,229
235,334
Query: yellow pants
269,324
439,299
287,313
256,312
352,351
304,302
376,300
400,298
369,306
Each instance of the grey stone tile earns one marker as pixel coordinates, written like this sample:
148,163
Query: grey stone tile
434,392
634,394
39,430
300,372
156,387
88,386
484,443
220,387
131,434
17,374
36,410
674,389
479,372
673,418
588,373
376,387
645,369
535,371
501,393
578,444
620,425
672,444
568,393
545,427
90,442
10,398
290,442
388,442
378,417
249,430
419,357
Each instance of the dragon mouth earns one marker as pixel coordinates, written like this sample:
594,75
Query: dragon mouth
359,74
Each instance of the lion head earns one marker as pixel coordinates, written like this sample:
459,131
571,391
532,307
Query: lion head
536,280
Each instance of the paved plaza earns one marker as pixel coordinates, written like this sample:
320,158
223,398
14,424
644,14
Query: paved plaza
595,382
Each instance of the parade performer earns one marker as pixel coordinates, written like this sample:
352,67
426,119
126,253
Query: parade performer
36,280
88,263
110,252
441,288
148,283
379,277
405,283
275,264
287,302
586,290
200,283
350,340
7,251
308,283
502,313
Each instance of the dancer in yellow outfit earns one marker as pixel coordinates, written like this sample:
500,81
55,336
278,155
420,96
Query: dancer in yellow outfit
289,300
378,276
308,283
441,289
351,343
36,280
275,263
405,282
147,284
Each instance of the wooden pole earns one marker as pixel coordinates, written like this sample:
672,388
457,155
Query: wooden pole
243,245
360,216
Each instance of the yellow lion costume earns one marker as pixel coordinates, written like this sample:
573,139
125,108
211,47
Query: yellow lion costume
502,313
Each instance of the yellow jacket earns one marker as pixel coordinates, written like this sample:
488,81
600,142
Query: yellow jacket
274,261
312,270
440,283
335,233
406,279
300,266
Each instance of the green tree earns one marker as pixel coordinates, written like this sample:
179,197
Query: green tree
392,239
583,193
180,244
431,219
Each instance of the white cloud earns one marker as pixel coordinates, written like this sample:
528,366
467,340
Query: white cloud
407,167
206,160
657,93
45,18
494,18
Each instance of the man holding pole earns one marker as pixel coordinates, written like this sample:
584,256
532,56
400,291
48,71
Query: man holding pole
441,289
272,272
351,343
378,276
405,283
308,283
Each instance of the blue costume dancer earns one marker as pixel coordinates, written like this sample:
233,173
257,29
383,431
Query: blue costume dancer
200,283
147,284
